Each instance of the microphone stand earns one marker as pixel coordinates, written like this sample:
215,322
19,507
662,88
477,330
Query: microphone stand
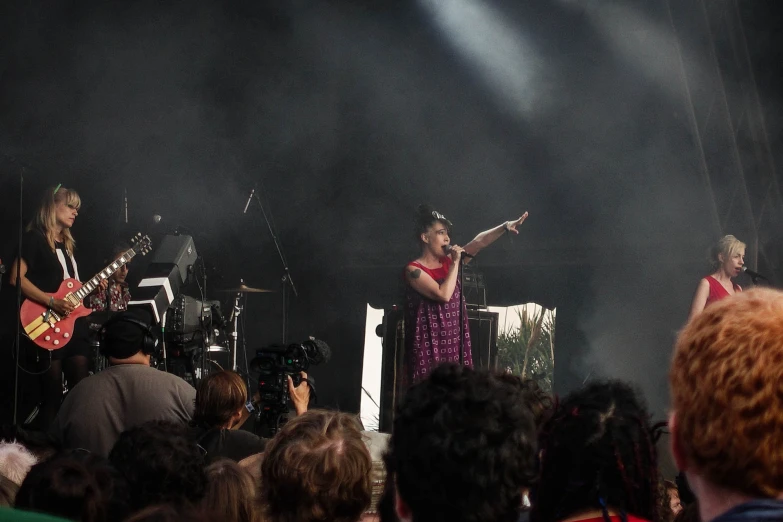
461,311
18,296
286,279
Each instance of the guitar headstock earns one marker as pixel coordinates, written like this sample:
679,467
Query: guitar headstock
141,244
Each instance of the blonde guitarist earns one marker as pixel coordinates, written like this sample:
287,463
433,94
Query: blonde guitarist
48,259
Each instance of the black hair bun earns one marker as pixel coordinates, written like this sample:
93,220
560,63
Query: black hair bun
424,211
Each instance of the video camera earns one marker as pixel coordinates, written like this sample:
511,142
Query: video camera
275,363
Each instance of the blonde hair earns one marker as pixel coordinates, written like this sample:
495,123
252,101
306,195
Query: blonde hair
15,461
45,221
727,246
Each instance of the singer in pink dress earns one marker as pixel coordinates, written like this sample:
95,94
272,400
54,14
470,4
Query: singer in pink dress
432,310
727,257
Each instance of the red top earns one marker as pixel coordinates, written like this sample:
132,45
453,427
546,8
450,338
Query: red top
438,274
717,291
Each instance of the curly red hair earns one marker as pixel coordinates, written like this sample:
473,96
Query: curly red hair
727,392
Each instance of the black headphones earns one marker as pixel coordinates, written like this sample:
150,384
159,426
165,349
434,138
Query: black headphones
149,344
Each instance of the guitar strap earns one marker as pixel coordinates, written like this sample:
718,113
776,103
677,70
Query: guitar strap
70,262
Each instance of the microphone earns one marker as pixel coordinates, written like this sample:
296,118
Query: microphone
125,198
156,219
447,249
754,275
317,351
249,199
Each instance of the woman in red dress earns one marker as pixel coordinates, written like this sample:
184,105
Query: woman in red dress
432,311
727,258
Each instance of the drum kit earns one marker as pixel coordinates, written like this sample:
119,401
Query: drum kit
195,335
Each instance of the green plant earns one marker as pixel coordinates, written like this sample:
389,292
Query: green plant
529,350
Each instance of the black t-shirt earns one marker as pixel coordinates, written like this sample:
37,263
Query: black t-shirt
43,266
45,271
230,444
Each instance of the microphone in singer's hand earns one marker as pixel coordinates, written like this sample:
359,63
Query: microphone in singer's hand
754,275
447,249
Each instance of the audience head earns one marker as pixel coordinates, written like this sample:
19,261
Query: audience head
665,513
689,513
597,453
64,486
463,447
172,513
111,483
673,494
160,464
126,337
220,399
40,444
317,467
231,492
539,401
727,406
8,490
15,461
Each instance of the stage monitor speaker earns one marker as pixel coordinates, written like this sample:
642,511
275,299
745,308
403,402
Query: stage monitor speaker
178,251
484,344
165,275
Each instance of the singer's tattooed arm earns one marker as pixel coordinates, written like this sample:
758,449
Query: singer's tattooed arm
425,285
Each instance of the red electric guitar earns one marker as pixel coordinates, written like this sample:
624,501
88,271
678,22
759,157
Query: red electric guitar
47,328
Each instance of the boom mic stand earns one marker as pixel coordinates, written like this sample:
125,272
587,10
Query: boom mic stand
18,283
286,280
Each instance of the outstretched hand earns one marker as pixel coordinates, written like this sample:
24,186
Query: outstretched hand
511,226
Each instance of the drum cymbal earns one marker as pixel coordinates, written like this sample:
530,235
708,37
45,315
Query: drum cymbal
244,289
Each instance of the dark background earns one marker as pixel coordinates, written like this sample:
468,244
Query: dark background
345,115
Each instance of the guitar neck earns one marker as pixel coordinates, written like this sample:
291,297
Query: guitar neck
93,283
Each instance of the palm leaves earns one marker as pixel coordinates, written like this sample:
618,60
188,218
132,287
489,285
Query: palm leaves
529,349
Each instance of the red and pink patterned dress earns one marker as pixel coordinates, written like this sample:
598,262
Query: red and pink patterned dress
432,329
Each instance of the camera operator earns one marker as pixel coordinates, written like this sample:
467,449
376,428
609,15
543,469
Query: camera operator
222,407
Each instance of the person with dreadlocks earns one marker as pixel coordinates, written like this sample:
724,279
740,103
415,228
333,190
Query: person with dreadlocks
598,459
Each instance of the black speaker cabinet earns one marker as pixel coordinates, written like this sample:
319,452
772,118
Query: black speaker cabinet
484,343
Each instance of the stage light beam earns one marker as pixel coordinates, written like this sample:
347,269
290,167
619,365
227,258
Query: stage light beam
494,47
